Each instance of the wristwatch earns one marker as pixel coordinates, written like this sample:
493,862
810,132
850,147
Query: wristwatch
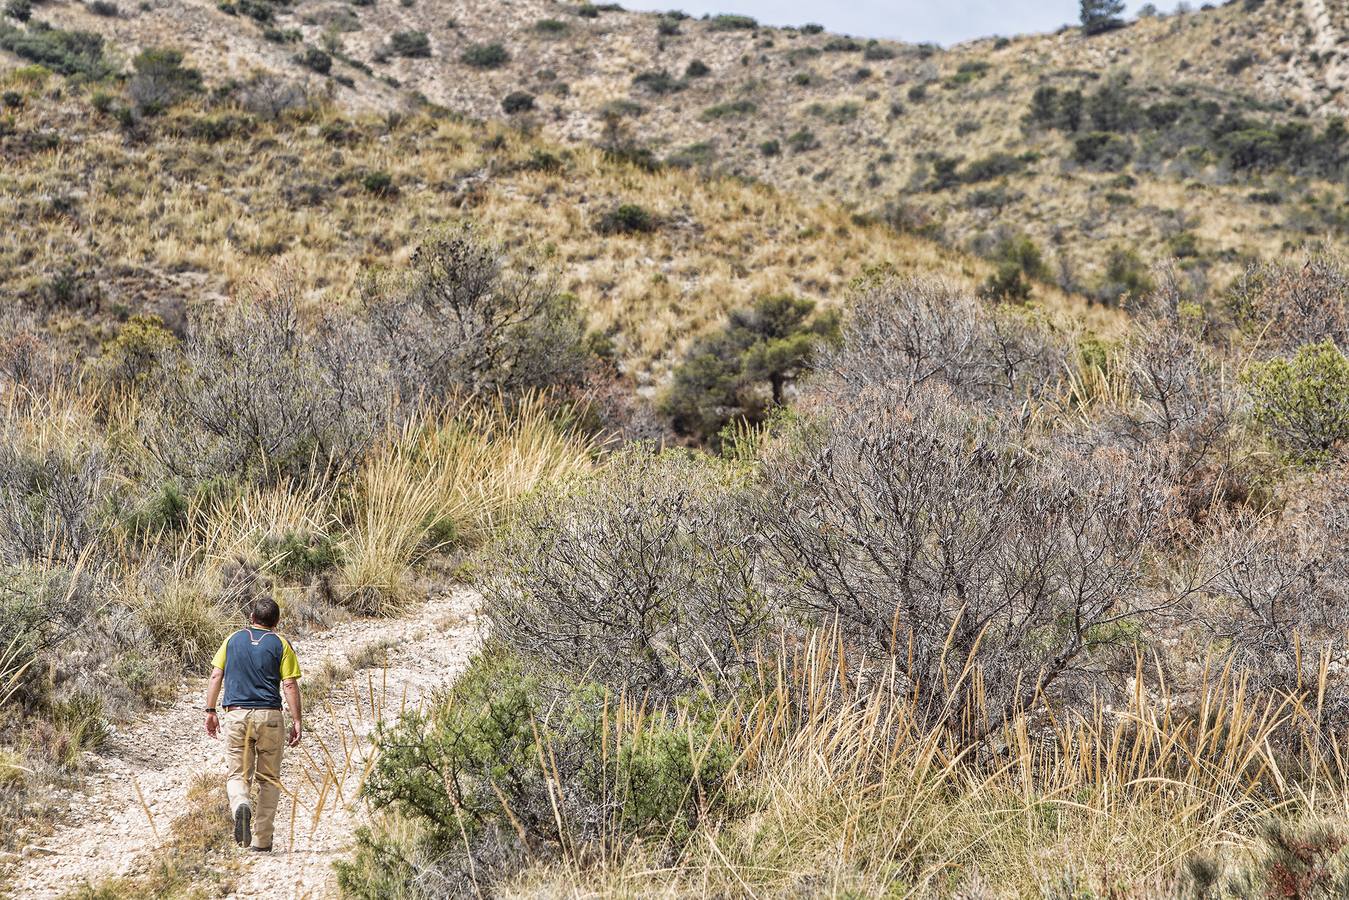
210,709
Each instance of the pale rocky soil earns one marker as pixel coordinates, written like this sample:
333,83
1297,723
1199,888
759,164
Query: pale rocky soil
107,833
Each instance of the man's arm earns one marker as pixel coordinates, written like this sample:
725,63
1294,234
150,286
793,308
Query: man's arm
213,694
291,688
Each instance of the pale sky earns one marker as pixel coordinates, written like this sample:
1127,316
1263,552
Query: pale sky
945,22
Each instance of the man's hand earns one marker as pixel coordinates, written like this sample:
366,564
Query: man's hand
212,724
294,738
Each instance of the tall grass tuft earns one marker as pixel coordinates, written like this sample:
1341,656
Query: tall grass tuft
444,478
839,791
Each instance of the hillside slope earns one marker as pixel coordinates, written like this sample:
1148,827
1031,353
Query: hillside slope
198,203
1206,136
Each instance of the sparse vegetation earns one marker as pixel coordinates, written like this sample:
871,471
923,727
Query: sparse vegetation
417,45
485,56
941,581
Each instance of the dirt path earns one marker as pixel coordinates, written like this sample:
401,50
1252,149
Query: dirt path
109,834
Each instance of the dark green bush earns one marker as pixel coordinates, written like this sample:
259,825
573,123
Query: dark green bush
485,56
995,165
160,79
19,10
504,771
104,8
697,69
657,81
1100,16
727,22
379,183
517,102
731,109
551,27
802,141
876,51
746,368
626,218
73,53
1125,275
412,44
966,73
315,60
296,556
1019,262
1102,150
841,45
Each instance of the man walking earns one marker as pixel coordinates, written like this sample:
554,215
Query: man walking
256,666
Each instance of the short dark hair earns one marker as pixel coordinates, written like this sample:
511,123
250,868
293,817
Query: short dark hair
265,612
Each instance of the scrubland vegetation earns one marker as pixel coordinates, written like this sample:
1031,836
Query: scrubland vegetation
148,494
815,560
994,607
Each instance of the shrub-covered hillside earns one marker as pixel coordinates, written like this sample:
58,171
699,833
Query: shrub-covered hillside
992,610
1210,136
124,201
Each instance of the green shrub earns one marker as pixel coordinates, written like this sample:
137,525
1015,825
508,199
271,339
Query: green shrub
19,10
727,22
770,148
876,52
485,56
995,165
412,44
1100,16
504,772
626,218
700,154
697,69
296,556
166,511
731,109
315,60
657,81
841,45
745,369
131,356
72,53
966,73
1303,402
260,11
160,79
1125,275
1102,150
551,27
105,9
802,141
1184,245
379,183
1019,261
517,102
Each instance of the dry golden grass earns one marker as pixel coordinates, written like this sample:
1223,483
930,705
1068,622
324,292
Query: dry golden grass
443,477
862,159
150,222
840,791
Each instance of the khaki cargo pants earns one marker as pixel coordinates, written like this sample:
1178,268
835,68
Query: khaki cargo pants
253,741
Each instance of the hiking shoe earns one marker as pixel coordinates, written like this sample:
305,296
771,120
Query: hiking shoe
243,825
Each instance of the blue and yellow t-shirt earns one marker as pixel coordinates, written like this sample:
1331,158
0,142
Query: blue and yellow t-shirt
255,662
